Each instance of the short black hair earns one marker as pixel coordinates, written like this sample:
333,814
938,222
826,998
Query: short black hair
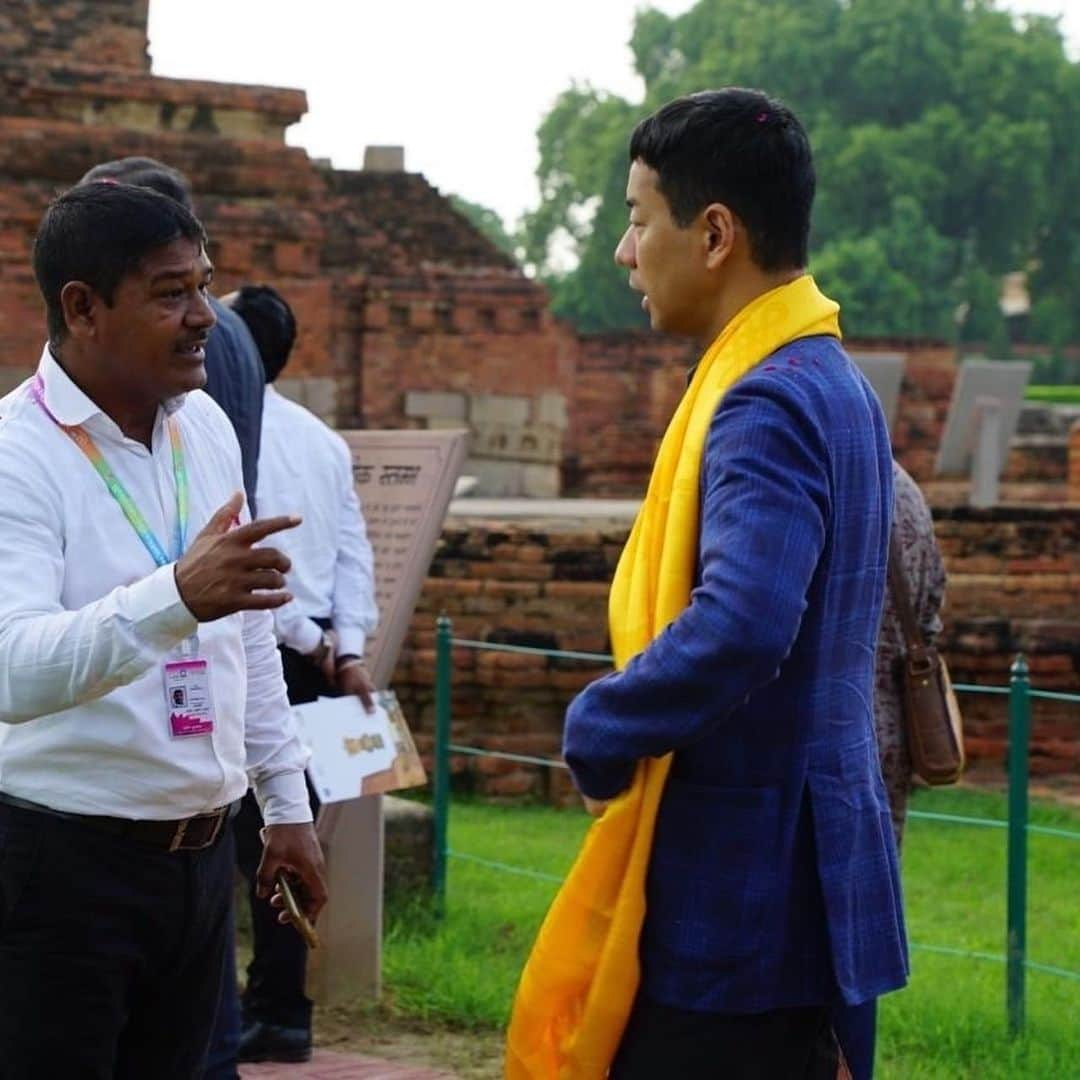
741,148
98,233
145,172
271,322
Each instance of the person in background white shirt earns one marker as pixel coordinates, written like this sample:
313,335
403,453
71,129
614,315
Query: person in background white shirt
306,466
140,688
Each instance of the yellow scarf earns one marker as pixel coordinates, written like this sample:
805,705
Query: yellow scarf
580,981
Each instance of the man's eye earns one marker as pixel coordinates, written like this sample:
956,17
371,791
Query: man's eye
172,294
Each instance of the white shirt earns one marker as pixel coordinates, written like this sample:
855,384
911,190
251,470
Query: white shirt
305,468
87,621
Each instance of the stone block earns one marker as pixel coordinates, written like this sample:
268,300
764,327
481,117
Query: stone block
496,478
540,481
550,408
541,443
513,442
432,404
384,159
409,849
291,388
498,409
320,396
443,423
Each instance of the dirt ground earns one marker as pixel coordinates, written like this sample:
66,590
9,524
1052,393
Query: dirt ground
471,1055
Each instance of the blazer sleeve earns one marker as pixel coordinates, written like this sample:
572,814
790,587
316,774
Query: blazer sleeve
765,508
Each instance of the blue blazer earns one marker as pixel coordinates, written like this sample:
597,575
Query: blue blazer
773,880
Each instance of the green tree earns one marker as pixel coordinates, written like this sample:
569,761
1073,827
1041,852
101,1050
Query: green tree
984,322
488,222
944,134
895,278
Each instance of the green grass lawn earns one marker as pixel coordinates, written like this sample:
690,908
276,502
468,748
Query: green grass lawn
1061,395
950,1021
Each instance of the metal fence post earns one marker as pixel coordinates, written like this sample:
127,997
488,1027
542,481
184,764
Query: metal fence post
1016,941
444,631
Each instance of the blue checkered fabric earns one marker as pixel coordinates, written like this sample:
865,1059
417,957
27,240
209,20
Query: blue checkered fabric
773,880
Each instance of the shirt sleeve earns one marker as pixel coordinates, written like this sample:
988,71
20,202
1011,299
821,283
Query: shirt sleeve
294,629
52,658
355,614
276,758
765,504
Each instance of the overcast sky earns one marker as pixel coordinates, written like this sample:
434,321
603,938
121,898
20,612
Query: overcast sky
462,86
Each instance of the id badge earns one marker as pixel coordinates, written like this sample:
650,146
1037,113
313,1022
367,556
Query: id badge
187,697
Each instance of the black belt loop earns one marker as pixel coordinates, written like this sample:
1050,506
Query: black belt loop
195,833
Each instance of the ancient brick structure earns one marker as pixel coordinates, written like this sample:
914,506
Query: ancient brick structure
392,288
109,33
1014,579
627,385
625,389
394,291
409,317
1074,463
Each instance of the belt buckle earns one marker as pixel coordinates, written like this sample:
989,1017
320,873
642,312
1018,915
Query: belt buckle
219,819
177,842
178,836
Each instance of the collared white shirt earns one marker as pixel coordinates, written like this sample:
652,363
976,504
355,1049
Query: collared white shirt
305,468
87,621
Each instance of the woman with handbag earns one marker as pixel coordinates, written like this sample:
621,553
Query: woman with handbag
909,701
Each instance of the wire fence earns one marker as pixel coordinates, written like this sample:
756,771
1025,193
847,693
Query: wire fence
1019,693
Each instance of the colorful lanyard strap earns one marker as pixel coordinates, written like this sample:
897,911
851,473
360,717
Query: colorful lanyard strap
126,503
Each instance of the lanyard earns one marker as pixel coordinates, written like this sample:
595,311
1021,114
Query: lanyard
126,503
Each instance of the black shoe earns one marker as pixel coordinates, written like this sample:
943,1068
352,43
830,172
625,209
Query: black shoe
272,1042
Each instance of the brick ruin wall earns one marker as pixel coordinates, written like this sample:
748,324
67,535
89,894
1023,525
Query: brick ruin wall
396,293
107,33
627,385
1014,579
393,289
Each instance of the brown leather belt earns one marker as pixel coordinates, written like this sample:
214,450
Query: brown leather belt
185,834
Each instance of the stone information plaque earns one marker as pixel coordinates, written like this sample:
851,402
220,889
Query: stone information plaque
405,480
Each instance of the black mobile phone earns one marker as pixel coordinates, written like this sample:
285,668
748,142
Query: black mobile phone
296,914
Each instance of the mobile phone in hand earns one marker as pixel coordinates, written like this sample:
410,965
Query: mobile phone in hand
296,914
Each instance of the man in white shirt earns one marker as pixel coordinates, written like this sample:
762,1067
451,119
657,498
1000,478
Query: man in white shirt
304,466
139,683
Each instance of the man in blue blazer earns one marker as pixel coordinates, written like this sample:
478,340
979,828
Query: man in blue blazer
773,889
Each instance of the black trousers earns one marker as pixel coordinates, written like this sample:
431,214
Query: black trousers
111,952
785,1044
278,970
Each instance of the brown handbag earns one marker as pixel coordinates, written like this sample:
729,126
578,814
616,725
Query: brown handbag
932,719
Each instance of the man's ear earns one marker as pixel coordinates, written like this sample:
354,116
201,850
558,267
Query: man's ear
720,226
81,305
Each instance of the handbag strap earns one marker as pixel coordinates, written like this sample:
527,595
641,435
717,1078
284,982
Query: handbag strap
901,597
